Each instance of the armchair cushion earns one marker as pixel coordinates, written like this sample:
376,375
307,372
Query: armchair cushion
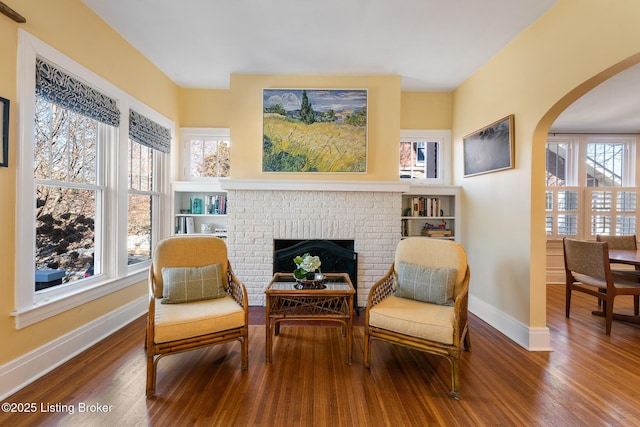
179,321
414,318
426,284
188,284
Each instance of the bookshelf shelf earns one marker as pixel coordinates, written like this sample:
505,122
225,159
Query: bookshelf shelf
199,208
432,211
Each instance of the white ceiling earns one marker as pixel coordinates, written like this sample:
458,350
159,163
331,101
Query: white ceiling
434,45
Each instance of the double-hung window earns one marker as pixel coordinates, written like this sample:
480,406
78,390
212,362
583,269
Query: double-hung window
590,183
91,164
146,144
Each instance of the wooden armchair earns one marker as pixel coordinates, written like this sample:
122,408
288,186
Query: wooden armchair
628,243
588,270
195,301
425,320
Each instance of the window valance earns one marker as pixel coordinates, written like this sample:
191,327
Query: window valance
60,88
149,133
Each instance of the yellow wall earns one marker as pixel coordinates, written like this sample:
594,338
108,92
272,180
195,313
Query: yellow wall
71,28
200,108
426,110
383,123
534,77
212,108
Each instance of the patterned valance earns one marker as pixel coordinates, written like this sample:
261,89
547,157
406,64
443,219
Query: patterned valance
149,133
58,87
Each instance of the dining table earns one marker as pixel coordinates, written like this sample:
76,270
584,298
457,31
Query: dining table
625,256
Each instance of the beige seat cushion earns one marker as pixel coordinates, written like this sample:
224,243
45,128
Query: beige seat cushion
414,318
191,319
602,284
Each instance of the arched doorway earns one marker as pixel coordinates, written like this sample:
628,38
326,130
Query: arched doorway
538,219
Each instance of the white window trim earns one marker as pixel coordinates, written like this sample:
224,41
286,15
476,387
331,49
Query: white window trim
441,136
29,307
186,135
576,176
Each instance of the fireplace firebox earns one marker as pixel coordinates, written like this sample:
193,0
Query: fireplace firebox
337,256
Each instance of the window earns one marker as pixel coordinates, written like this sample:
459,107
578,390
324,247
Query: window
590,185
147,141
141,200
206,153
67,190
90,230
425,156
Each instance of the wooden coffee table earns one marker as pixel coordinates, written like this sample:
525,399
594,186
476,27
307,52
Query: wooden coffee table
333,302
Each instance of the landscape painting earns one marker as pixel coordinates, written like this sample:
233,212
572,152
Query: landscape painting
314,130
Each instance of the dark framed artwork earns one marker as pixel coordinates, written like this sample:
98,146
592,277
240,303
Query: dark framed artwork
4,131
490,149
314,130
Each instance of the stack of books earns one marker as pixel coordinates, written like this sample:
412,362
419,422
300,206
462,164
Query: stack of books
436,232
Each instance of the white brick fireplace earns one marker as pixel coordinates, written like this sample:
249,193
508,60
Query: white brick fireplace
260,211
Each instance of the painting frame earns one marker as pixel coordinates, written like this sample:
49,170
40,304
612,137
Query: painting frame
4,132
311,130
490,149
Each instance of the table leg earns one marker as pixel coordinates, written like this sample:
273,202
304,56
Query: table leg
267,322
350,333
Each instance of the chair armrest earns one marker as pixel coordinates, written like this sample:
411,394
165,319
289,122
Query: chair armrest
461,303
381,289
151,314
237,289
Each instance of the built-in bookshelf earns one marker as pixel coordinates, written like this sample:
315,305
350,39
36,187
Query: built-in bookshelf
431,211
199,208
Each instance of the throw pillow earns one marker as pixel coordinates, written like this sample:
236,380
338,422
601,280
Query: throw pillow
426,284
186,284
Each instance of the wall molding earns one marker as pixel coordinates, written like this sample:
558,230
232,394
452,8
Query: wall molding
532,339
314,185
27,368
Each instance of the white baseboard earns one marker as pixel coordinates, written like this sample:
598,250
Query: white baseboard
24,370
532,339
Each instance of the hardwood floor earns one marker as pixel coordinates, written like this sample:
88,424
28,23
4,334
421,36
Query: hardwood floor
589,379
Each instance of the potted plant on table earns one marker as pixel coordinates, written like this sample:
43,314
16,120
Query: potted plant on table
308,269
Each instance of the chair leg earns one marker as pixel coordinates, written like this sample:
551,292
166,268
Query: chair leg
467,340
367,349
636,304
568,301
244,349
455,377
608,312
151,376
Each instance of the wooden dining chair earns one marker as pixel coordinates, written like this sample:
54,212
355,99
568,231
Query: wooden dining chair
622,271
588,270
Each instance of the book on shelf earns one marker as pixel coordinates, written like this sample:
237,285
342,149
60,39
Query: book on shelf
185,225
426,206
190,226
216,204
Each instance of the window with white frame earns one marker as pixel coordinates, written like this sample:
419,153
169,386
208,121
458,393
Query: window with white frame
147,141
206,153
425,155
90,230
590,185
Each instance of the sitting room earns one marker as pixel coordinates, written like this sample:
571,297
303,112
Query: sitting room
254,133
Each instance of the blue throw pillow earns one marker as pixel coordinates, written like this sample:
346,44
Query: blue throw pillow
426,284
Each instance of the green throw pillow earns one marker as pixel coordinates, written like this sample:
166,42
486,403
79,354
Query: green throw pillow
186,284
426,284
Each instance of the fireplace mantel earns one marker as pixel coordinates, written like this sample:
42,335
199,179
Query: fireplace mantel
314,185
